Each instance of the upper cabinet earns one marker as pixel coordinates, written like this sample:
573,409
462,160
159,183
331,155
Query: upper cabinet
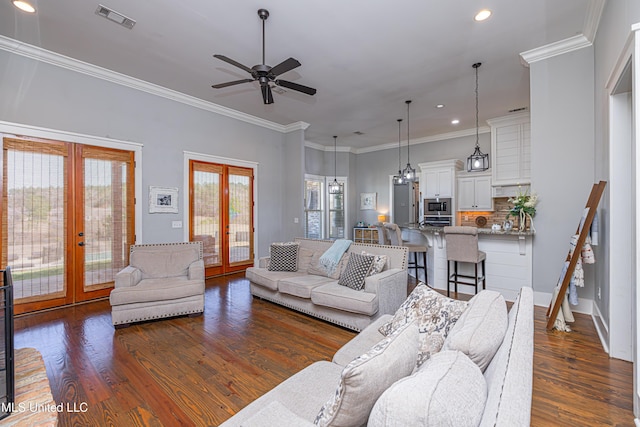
511,149
474,192
438,178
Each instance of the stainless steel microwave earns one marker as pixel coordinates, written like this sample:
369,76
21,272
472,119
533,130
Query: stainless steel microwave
439,206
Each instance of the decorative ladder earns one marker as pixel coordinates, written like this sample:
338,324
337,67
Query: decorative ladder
582,231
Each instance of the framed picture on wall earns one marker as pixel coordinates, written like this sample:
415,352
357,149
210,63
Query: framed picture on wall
163,199
368,201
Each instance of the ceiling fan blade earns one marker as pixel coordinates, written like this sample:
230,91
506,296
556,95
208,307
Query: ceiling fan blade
284,66
234,63
235,82
295,86
267,96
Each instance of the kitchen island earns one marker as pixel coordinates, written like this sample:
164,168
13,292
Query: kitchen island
509,258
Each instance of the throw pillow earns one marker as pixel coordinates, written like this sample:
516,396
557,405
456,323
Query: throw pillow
481,328
449,390
317,269
356,271
435,313
366,377
284,257
379,263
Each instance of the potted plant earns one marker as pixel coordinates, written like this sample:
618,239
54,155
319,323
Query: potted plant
524,207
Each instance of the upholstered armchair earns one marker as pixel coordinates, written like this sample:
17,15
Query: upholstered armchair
161,280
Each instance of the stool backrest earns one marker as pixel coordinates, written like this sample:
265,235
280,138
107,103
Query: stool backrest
462,243
394,233
383,238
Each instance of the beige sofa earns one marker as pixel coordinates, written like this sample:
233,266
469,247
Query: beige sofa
482,376
311,291
161,280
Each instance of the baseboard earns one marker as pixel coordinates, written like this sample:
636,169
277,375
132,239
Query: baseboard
585,305
637,422
601,327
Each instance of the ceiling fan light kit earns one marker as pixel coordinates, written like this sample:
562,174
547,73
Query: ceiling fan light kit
265,74
477,161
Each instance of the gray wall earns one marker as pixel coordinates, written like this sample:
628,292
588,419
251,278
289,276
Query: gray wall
39,94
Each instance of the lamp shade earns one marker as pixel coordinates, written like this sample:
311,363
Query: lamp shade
382,218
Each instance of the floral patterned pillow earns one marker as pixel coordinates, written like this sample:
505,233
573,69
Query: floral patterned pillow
435,315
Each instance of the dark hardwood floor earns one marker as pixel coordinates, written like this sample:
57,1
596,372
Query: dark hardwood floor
199,371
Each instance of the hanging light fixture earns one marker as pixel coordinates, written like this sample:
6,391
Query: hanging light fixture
399,179
408,173
477,161
335,187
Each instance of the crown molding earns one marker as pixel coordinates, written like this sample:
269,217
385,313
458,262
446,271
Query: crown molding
592,19
440,137
554,49
320,147
62,61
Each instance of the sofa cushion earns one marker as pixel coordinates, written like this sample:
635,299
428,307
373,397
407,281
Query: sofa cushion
356,270
365,378
149,290
436,314
343,298
304,259
158,264
448,390
480,330
283,256
268,279
302,285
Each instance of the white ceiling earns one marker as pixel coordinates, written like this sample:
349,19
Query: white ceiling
365,57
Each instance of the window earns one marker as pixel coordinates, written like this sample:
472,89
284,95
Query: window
325,214
313,207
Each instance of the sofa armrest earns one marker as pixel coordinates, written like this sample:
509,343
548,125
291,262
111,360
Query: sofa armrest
391,288
128,277
264,262
196,270
276,414
362,342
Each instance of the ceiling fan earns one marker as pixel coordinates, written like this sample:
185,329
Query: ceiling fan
266,74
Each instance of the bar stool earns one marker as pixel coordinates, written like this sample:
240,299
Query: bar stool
462,246
395,237
383,237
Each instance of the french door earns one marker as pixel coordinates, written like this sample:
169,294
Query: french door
67,220
221,215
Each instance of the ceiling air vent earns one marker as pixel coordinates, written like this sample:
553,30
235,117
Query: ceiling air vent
114,16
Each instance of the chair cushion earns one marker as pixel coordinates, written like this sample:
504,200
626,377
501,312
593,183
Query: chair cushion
149,290
480,330
435,313
159,264
357,269
284,256
448,390
366,377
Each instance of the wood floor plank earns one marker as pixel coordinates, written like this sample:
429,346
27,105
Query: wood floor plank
200,371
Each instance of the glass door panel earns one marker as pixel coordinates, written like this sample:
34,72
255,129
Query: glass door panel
240,215
205,212
106,229
34,219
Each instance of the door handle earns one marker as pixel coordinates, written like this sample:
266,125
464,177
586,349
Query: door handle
81,244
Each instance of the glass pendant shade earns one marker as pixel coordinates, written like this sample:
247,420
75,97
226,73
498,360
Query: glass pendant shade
335,187
478,161
409,173
399,179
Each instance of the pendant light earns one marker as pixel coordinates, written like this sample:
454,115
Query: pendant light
477,161
408,173
335,187
399,179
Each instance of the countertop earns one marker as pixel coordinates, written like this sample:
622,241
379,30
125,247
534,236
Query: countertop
481,231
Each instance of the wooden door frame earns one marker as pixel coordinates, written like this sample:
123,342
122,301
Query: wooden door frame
188,156
20,131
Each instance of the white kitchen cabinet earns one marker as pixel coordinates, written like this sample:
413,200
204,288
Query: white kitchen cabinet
511,149
475,193
438,178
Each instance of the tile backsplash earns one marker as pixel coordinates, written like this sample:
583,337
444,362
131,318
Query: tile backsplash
498,216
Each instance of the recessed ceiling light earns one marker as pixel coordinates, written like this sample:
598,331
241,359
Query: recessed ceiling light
24,6
440,106
482,15
455,121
